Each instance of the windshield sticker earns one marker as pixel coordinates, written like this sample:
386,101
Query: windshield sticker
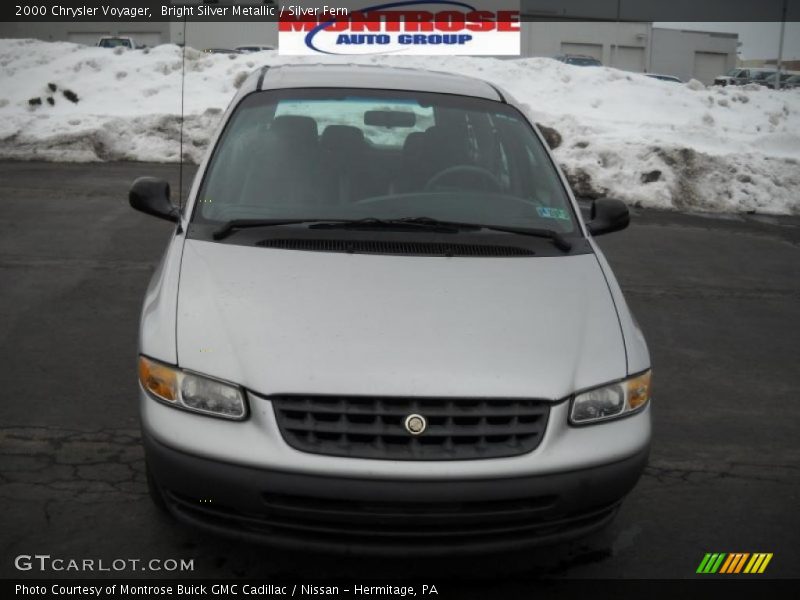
547,212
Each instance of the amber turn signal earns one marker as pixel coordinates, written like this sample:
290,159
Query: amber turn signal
158,379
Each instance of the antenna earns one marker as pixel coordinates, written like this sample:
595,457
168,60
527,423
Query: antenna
180,157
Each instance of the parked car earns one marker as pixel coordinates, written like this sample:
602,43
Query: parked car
744,76
253,48
396,332
792,82
579,60
762,77
770,80
669,78
117,42
733,77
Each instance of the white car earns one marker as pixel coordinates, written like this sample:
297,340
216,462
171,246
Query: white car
381,323
739,76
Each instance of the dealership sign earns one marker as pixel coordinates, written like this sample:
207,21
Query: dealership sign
404,27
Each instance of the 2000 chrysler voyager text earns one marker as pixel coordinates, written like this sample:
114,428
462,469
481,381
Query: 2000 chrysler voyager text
382,323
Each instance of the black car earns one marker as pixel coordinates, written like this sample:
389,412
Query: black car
670,78
792,82
117,42
762,77
770,81
578,60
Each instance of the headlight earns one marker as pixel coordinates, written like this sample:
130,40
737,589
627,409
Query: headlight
190,391
611,401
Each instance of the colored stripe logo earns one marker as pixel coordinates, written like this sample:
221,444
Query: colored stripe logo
734,563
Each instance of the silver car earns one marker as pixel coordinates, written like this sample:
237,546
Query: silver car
382,324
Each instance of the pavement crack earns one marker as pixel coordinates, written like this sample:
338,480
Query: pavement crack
45,463
667,474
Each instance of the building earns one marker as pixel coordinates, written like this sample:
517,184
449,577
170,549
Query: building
146,33
700,55
637,47
622,45
766,63
225,35
199,34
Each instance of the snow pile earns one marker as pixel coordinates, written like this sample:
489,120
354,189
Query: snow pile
649,142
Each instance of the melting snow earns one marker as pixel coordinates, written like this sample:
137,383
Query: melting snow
651,143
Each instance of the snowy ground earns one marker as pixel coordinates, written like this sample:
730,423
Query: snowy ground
648,142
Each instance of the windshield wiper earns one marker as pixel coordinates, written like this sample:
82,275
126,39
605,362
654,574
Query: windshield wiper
558,239
228,228
407,223
422,223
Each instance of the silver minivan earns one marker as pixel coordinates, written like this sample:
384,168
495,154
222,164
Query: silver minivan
382,324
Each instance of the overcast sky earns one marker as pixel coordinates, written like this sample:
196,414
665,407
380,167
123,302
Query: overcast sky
759,40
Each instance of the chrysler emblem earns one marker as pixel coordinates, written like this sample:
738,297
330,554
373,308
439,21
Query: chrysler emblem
415,424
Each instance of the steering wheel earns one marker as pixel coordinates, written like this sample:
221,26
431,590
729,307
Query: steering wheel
465,171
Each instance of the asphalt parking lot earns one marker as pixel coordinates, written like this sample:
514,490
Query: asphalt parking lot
718,299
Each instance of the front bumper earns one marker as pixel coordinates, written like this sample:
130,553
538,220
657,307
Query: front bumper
428,516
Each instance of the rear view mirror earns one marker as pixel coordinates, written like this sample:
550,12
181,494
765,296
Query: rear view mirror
608,215
390,118
151,196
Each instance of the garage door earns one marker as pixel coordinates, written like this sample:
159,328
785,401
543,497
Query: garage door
90,38
144,38
708,65
593,50
629,58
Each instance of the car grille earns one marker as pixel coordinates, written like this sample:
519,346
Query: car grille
373,427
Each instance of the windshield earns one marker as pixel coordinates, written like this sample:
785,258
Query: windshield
355,154
763,75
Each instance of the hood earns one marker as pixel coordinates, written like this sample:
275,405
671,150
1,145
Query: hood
284,321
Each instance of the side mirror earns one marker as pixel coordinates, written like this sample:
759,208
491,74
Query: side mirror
151,196
608,215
